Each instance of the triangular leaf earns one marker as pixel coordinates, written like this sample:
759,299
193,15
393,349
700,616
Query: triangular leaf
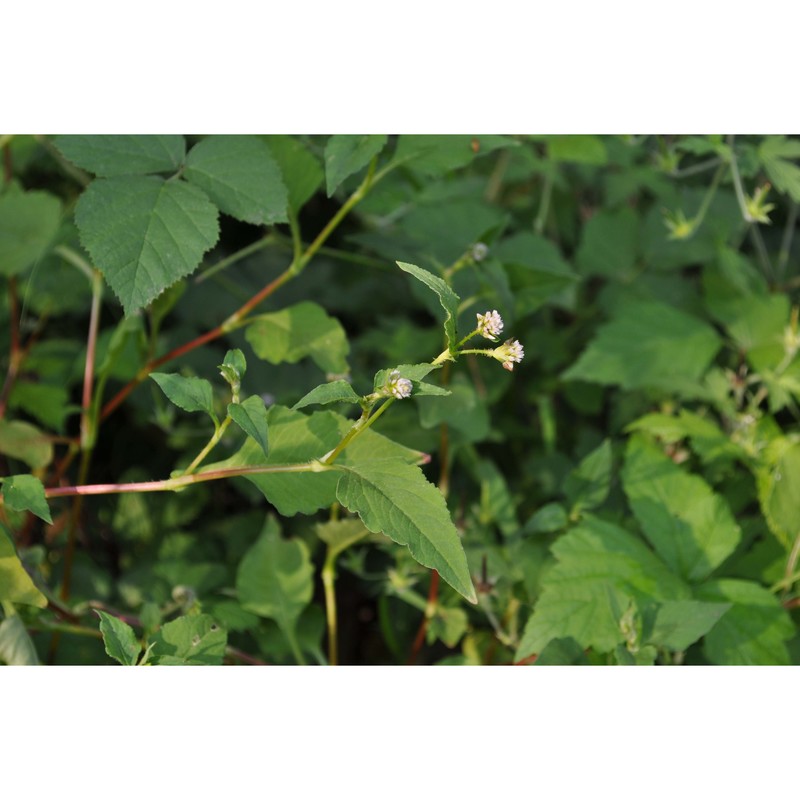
334,392
251,417
346,154
26,493
447,297
119,639
190,394
16,585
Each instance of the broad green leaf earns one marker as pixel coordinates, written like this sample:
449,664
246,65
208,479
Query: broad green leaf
24,441
194,640
578,149
447,624
778,483
251,417
49,404
26,493
464,411
113,155
396,499
549,518
119,639
561,652
16,585
144,233
334,392
240,176
346,154
599,568
413,372
190,394
774,152
588,484
301,330
647,345
423,389
447,297
28,223
437,154
609,244
276,580
496,503
753,631
341,533
680,623
16,647
690,526
302,173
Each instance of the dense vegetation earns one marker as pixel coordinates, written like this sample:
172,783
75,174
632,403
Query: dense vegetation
248,414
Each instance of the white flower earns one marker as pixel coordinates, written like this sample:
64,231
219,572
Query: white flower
398,387
490,325
479,251
509,353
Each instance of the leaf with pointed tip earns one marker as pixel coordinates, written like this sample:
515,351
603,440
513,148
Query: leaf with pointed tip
233,367
396,499
16,585
145,233
340,534
190,394
194,640
413,372
119,639
588,484
447,297
111,155
26,493
16,647
251,417
28,223
680,623
26,442
301,171
346,154
334,392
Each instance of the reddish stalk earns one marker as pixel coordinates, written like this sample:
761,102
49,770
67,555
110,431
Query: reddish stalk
419,639
15,353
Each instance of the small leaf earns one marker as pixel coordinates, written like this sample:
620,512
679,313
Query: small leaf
241,176
438,154
588,484
346,154
119,639
144,233
26,493
194,640
16,647
233,367
28,223
774,152
396,499
251,417
447,297
413,372
112,155
549,518
24,441
334,392
16,585
423,389
190,394
680,623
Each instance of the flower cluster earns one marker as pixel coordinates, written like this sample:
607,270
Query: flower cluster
398,387
509,353
490,325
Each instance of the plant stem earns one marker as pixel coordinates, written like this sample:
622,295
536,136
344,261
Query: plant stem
88,424
786,241
212,442
328,582
15,353
296,651
228,261
71,257
358,428
544,204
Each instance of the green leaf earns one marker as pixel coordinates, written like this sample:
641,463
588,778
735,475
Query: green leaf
609,244
347,154
599,568
301,330
413,372
773,152
341,533
447,624
648,345
112,155
577,149
334,392
778,483
233,367
302,173
276,580
26,442
26,493
447,297
144,233
240,176
16,585
561,652
549,518
190,394
194,640
119,639
680,623
753,631
690,526
16,647
463,410
588,484
497,504
437,154
251,417
28,223
396,499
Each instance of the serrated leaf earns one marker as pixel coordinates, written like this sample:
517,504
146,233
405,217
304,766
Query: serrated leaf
301,171
16,585
561,652
120,640
773,152
275,580
334,392
113,155
251,417
346,154
609,244
447,297
16,647
241,176
396,499
690,526
144,233
194,640
437,154
299,331
578,149
680,623
778,483
26,493
28,223
753,631
26,442
647,345
190,394
587,486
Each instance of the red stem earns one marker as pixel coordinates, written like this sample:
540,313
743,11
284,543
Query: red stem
419,640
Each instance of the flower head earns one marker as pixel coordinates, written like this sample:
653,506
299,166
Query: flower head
509,353
398,387
490,325
479,251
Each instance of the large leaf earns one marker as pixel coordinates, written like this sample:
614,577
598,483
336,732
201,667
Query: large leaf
588,484
195,640
16,647
346,154
599,567
28,223
24,441
251,417
119,639
190,394
396,499
299,331
778,482
144,233
114,154
648,345
578,149
26,493
609,244
302,173
241,176
680,623
447,297
690,526
16,585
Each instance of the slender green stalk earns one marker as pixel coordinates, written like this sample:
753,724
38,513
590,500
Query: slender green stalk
786,241
212,443
296,651
233,258
329,584
360,426
77,261
544,204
